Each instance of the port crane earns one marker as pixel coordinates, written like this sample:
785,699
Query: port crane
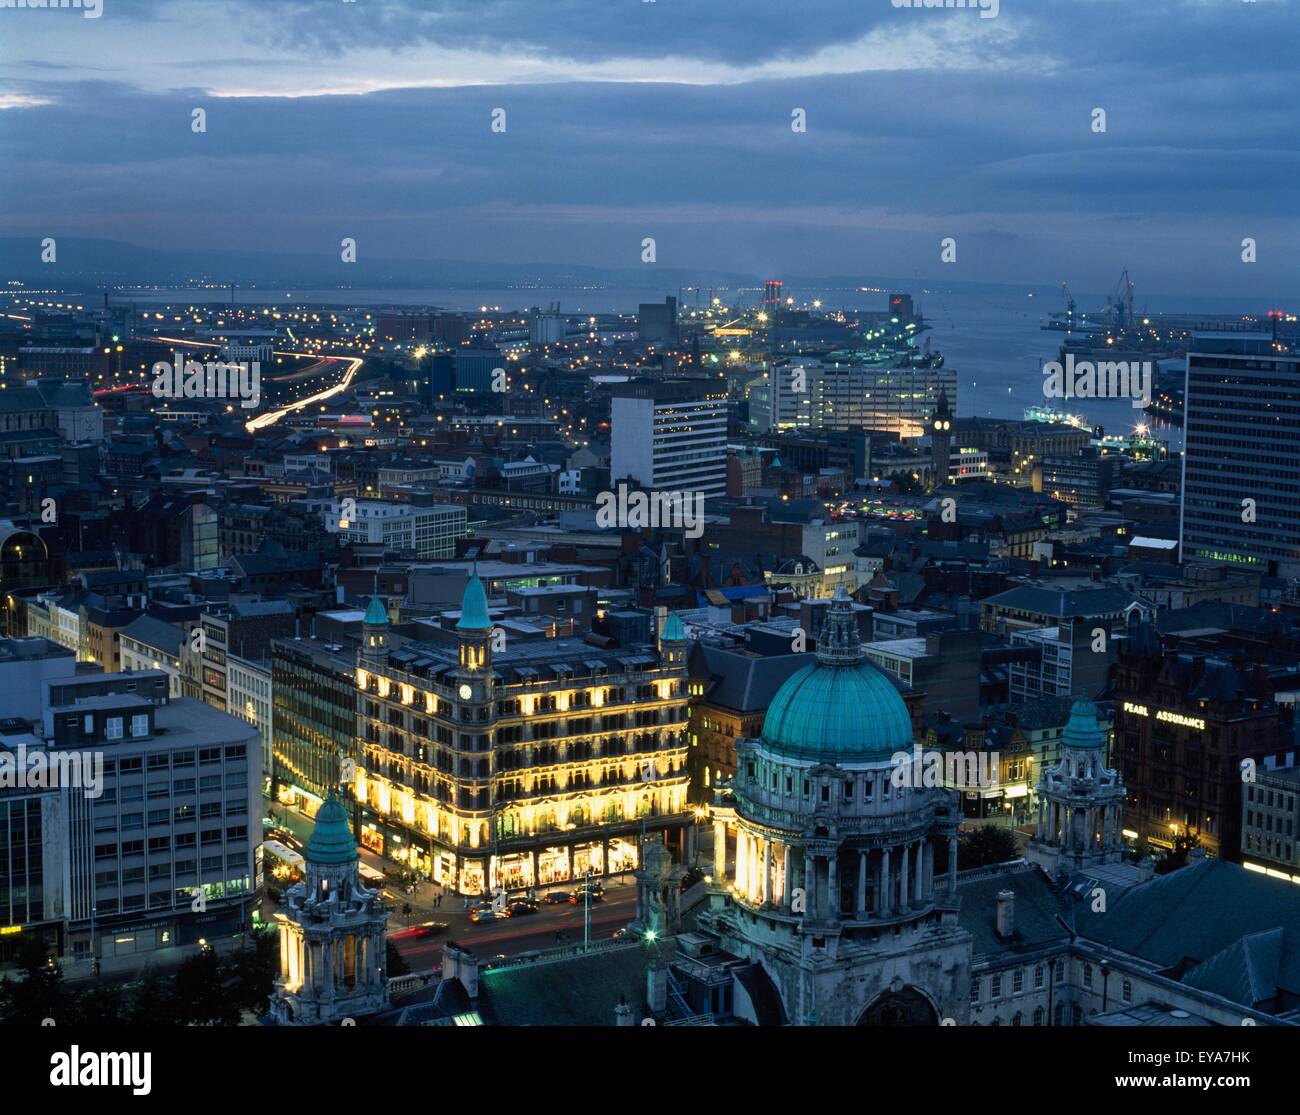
1120,302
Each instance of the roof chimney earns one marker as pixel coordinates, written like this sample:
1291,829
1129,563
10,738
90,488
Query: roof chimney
1006,916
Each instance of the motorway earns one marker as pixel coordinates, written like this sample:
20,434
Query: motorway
271,417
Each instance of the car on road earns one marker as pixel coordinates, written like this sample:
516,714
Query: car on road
556,897
487,913
594,890
521,907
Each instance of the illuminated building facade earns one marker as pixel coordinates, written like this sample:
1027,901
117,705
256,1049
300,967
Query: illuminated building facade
489,767
313,718
332,950
833,894
899,400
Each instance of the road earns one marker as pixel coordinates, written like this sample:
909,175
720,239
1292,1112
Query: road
509,936
271,417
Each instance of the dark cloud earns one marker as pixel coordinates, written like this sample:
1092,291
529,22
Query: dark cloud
1199,149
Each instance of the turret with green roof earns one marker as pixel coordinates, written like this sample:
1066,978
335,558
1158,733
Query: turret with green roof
474,606
331,840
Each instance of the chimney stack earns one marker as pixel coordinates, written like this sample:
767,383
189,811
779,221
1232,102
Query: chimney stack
1006,916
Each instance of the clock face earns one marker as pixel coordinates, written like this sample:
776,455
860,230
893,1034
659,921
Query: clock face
466,692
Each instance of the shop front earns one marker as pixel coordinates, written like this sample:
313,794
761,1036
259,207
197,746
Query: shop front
588,859
514,872
473,877
552,865
372,838
622,856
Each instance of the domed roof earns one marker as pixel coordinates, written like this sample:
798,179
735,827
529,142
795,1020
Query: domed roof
839,708
1082,730
331,840
838,714
673,631
376,614
474,606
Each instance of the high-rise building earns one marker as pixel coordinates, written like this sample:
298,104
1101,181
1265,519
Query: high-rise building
1241,464
670,435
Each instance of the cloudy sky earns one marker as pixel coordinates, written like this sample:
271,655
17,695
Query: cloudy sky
671,119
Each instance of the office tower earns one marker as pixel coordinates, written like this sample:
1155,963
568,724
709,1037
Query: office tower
670,435
1241,465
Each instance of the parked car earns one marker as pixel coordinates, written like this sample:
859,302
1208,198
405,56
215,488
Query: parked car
555,897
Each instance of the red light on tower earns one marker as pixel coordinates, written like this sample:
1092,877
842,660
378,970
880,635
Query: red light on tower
772,293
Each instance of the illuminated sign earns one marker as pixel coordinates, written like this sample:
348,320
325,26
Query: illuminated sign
1167,716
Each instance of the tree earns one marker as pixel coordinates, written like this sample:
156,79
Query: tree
39,992
986,845
99,1005
395,961
252,971
1184,842
153,1002
204,992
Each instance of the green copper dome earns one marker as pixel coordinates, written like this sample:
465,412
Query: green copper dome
673,631
331,840
838,714
474,606
376,615
1083,729
839,708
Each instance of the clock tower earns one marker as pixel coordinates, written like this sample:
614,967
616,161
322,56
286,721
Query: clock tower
473,675
941,439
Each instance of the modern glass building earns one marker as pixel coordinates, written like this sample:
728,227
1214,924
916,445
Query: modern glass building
1241,464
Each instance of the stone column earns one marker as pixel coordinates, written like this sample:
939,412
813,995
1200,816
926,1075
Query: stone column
719,851
766,895
860,899
787,884
809,884
918,884
952,866
1039,830
903,873
835,902
885,900
929,869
